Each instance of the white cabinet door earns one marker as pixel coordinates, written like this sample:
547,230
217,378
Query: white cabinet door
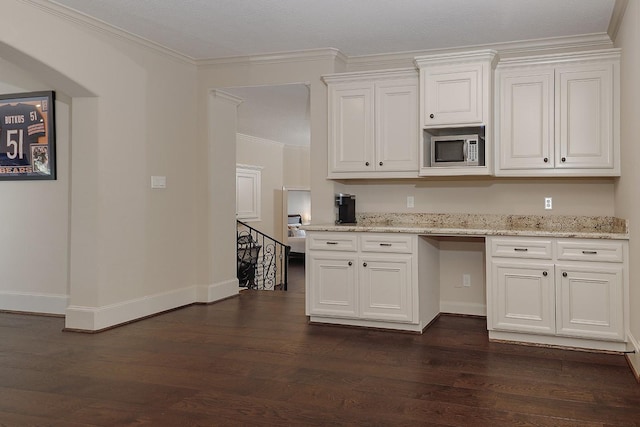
584,117
333,288
590,301
396,129
386,288
523,297
453,94
351,137
526,118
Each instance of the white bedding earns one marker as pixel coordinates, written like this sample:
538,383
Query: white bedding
297,244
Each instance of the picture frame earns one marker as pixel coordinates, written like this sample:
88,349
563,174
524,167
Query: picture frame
27,136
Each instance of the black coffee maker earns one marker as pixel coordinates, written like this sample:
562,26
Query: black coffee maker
345,208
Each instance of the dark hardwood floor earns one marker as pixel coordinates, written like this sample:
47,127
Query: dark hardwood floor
254,360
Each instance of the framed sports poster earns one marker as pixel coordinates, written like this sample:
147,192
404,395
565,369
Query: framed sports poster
27,136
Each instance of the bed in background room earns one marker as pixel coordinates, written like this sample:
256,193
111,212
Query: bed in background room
295,236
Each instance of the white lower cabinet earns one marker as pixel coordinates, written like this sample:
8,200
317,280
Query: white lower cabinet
334,292
385,285
572,294
524,297
369,279
590,301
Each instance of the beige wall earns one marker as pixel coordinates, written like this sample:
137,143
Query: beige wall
135,112
133,116
627,200
34,230
297,165
270,156
503,196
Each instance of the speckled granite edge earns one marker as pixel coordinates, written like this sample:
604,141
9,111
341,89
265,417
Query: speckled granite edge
604,227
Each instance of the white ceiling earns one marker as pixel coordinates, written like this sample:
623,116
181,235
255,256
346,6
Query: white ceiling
207,29
212,29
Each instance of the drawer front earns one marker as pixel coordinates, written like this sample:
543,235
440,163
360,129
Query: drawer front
522,248
590,250
387,242
332,241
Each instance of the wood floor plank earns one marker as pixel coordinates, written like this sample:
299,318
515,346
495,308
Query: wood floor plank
254,360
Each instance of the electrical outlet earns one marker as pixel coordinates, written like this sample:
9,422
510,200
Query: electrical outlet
410,202
548,203
466,280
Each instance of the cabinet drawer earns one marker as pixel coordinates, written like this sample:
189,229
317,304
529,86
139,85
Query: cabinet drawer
522,248
605,251
389,243
332,241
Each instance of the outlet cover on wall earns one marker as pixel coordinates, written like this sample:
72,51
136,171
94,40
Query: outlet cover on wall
410,202
548,203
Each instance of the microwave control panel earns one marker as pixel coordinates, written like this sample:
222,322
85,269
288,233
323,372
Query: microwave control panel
472,151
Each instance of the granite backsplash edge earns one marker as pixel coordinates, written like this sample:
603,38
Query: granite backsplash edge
563,223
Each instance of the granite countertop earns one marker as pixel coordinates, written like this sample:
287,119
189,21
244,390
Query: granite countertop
592,227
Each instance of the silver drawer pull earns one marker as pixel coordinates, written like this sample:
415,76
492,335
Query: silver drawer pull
520,249
590,252
385,244
332,243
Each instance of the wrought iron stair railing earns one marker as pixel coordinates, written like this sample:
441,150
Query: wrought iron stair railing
262,261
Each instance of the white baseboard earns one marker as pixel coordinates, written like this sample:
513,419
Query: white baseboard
97,318
634,358
218,291
33,302
468,308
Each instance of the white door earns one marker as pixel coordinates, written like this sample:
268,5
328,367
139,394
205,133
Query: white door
333,285
453,95
590,302
386,288
524,297
351,127
526,119
584,117
397,128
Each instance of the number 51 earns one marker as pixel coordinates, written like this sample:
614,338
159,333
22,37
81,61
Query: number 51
15,147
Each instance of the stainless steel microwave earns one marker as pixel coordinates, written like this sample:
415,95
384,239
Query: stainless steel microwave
457,150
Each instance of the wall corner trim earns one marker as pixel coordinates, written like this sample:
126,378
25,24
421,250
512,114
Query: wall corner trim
634,358
218,291
33,302
465,308
82,318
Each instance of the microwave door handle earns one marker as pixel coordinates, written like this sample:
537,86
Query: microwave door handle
465,158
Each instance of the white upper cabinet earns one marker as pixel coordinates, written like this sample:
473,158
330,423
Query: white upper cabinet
526,119
373,124
453,95
351,127
558,115
456,88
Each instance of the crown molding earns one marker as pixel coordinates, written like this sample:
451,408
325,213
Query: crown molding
394,73
276,57
258,140
516,48
619,8
226,96
93,24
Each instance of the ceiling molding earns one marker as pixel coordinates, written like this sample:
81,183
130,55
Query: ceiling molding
276,58
96,25
516,48
616,18
226,96
258,140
